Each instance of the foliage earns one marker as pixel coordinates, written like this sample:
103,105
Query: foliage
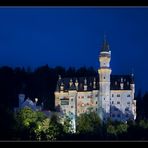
25,117
143,124
88,122
48,129
67,125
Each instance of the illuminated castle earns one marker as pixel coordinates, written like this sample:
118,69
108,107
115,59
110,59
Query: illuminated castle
111,96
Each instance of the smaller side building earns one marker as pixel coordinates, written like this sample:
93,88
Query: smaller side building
27,102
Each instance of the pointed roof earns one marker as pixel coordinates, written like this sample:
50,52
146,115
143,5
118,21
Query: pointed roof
105,47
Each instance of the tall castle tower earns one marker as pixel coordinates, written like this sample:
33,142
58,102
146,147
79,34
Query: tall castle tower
104,81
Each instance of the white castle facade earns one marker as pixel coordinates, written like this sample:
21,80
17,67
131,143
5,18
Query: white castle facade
111,96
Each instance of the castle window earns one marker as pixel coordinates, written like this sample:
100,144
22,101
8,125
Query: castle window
96,102
64,102
112,102
71,106
104,77
82,96
104,98
113,115
82,104
115,82
127,109
118,115
128,95
118,102
96,95
118,95
128,103
115,109
96,109
112,95
71,100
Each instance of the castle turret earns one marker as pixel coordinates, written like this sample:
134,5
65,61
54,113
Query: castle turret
21,99
104,80
85,84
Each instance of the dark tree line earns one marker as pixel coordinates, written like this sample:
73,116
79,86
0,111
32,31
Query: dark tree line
41,83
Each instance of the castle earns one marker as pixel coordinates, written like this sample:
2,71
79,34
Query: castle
111,96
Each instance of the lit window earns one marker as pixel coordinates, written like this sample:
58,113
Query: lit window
118,95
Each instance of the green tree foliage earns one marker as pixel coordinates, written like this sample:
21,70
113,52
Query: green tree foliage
116,129
67,125
48,129
88,122
26,120
111,130
25,117
143,124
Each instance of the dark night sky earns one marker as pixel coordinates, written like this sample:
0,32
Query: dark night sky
72,36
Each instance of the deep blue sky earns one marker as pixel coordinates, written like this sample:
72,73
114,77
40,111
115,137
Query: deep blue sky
73,36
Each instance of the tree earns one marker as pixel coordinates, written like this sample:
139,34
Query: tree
111,130
27,120
88,123
48,129
67,125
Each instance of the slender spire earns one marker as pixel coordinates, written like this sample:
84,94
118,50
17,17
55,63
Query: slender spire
132,76
105,46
